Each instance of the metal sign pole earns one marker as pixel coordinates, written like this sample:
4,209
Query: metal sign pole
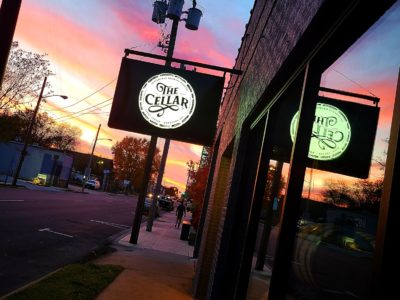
142,196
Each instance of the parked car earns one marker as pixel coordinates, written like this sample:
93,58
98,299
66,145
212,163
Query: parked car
93,184
165,203
76,177
328,256
147,203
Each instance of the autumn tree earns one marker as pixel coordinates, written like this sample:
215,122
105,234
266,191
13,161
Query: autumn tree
271,173
46,132
197,182
23,78
129,160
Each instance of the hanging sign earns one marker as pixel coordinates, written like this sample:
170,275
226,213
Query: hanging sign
166,102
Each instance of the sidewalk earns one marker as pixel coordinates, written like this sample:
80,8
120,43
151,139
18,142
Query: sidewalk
158,267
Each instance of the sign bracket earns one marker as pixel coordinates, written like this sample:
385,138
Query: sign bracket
183,61
375,100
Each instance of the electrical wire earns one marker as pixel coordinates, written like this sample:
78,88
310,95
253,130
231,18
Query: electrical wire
77,112
348,78
91,112
84,98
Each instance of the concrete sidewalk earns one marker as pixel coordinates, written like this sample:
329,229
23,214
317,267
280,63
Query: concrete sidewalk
158,267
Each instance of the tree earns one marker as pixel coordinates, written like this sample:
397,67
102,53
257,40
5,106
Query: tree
268,185
363,194
23,78
129,160
197,182
45,132
171,191
10,127
368,193
64,137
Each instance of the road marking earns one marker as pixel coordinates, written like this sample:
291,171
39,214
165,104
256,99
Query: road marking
12,200
55,232
111,224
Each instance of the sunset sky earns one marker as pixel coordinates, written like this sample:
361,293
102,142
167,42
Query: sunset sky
85,41
370,67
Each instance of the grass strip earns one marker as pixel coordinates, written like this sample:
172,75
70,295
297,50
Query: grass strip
76,281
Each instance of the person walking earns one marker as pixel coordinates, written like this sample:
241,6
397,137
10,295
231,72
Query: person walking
180,212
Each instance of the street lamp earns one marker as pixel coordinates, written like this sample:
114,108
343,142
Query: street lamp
29,131
86,176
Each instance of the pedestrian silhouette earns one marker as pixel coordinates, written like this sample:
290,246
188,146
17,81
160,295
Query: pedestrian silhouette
180,212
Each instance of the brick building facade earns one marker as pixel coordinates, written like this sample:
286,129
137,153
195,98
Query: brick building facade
286,48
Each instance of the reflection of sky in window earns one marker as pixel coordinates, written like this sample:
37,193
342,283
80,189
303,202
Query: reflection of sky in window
375,57
371,65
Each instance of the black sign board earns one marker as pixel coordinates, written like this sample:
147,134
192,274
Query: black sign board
342,139
167,102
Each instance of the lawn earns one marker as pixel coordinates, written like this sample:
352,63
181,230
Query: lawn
76,281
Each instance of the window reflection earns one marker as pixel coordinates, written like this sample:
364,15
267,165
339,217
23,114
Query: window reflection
268,230
334,251
335,242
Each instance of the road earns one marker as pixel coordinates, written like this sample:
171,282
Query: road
44,230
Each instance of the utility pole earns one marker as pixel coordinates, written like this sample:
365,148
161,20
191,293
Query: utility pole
159,13
88,168
9,12
28,135
152,212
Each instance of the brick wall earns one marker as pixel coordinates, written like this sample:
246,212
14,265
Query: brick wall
273,30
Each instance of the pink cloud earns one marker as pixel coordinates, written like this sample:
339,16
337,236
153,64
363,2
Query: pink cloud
73,47
136,21
94,59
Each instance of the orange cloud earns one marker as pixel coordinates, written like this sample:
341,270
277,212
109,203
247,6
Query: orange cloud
85,57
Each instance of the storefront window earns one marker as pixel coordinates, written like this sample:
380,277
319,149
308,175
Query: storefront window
277,150
335,242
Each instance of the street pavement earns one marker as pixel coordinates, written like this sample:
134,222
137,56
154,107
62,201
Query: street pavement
42,230
159,266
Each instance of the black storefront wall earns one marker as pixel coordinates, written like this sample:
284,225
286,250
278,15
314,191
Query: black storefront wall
125,113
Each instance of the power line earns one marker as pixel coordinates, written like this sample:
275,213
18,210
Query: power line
88,113
79,111
95,92
348,78
91,112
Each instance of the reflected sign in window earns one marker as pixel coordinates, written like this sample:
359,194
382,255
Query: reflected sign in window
331,132
342,139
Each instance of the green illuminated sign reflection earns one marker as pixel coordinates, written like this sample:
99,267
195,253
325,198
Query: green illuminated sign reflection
331,132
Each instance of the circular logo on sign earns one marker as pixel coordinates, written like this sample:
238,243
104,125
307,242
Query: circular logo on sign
331,132
167,101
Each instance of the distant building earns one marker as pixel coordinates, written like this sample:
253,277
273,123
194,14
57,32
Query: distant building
52,166
101,168
99,164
